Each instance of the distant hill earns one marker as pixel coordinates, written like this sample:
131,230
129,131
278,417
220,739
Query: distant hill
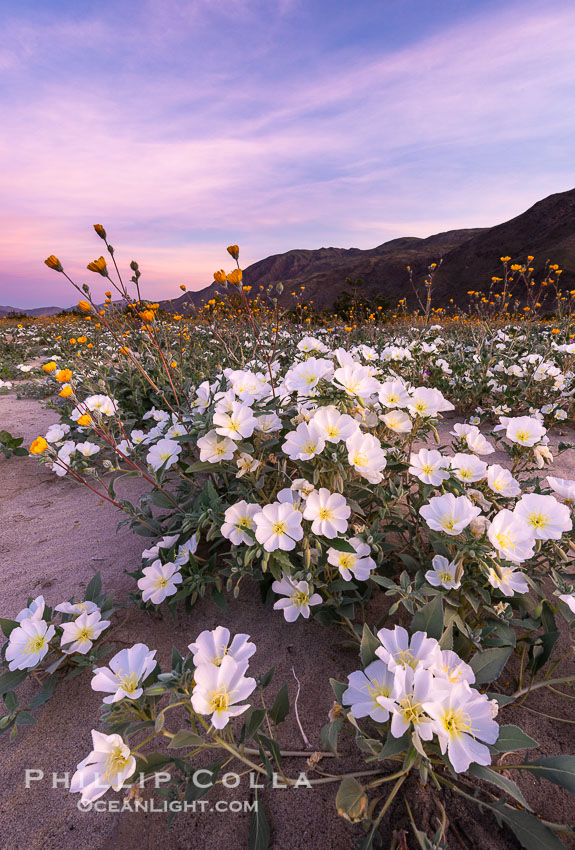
36,311
470,258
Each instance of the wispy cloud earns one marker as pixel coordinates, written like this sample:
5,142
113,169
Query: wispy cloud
178,154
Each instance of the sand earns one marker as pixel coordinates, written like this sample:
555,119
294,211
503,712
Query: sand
54,536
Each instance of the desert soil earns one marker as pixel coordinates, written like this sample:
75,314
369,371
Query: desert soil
54,536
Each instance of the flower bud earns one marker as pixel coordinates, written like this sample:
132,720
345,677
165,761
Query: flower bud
66,391
100,231
99,266
220,276
84,306
54,263
234,251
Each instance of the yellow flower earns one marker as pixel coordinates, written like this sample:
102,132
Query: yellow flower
183,287
82,339
124,350
98,265
234,251
85,419
72,341
220,277
49,367
54,263
108,294
84,306
235,277
66,391
64,376
100,231
147,315
38,446
173,364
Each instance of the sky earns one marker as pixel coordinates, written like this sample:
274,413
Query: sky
185,125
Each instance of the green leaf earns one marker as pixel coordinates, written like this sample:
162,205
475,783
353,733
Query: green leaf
184,738
531,833
280,709
11,679
501,781
488,665
94,588
429,618
512,738
338,688
338,543
11,700
8,626
351,800
254,718
330,733
369,643
259,838
44,693
557,769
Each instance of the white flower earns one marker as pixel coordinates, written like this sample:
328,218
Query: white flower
429,466
399,650
278,526
569,600
468,468
185,550
305,442
411,688
524,430
426,401
298,598
163,454
356,380
473,437
28,643
365,454
219,689
358,564
502,482
108,766
329,512
57,432
449,513
310,343
34,611
394,394
443,573
80,634
103,403
397,420
365,686
165,543
237,519
87,449
511,535
77,608
507,580
214,448
333,425
125,672
461,719
304,377
236,424
268,423
452,668
159,581
211,647
564,487
547,517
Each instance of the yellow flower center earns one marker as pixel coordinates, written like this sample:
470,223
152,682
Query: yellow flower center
325,513
35,644
160,582
219,700
115,763
129,682
359,459
84,635
279,527
299,598
538,520
455,721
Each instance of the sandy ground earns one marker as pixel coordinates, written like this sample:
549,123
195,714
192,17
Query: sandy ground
53,538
